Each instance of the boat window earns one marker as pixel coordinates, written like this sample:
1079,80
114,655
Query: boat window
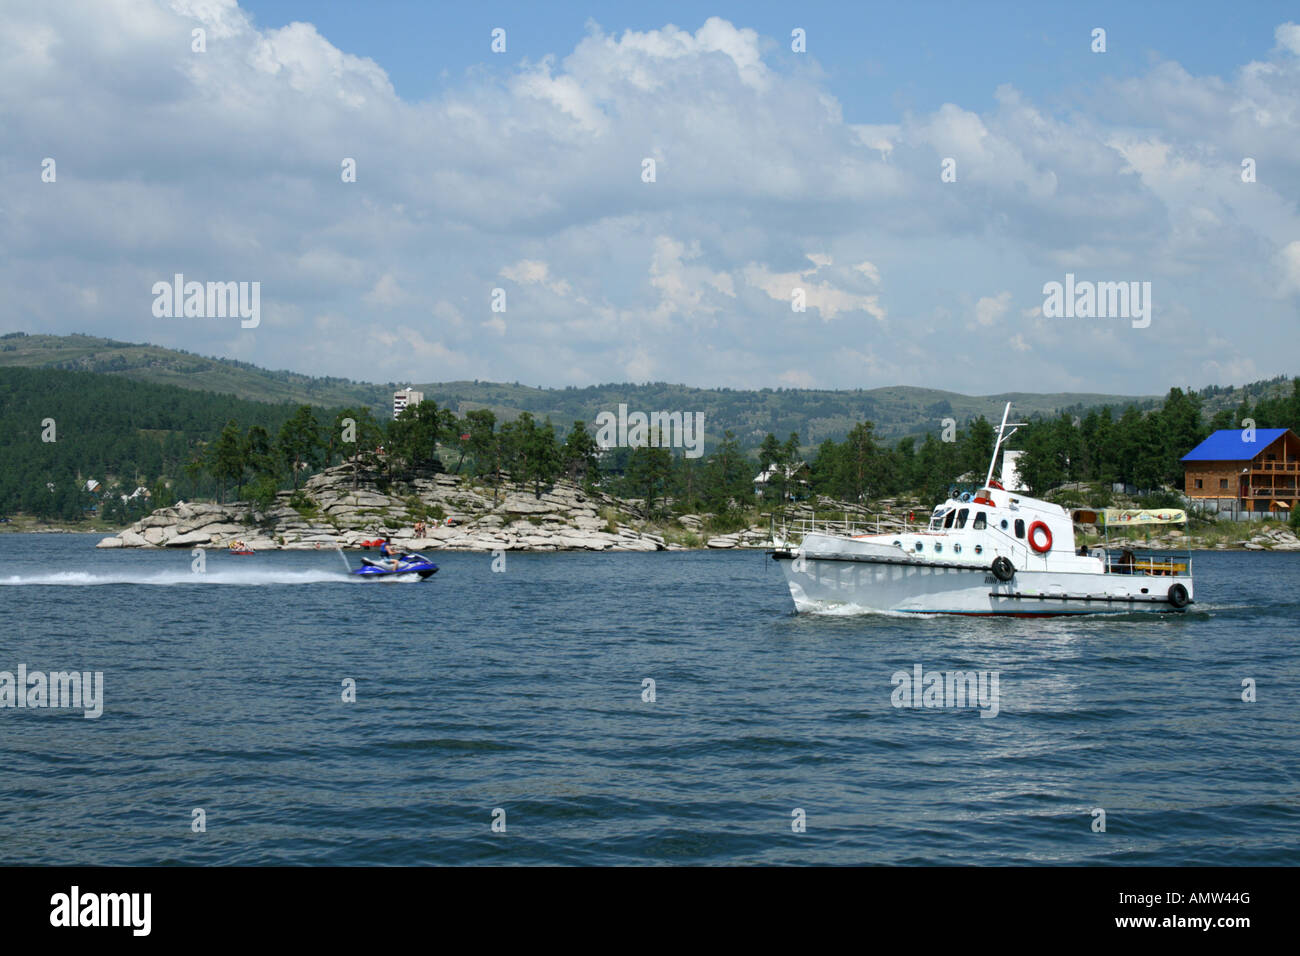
961,517
947,522
919,546
979,549
981,521
936,520
1020,527
1004,524
938,546
956,548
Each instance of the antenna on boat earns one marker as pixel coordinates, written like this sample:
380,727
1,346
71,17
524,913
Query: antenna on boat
1003,435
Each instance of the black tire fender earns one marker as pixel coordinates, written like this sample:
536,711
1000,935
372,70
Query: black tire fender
1178,596
1003,569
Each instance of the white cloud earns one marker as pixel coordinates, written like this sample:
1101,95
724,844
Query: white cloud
826,298
386,292
1289,265
988,309
684,288
1288,37
868,270
797,378
535,272
448,314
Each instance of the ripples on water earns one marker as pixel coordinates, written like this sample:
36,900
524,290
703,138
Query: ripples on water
522,690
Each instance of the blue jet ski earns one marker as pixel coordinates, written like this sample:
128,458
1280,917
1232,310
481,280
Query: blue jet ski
409,567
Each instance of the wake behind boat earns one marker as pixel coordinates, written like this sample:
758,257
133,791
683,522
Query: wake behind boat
410,567
993,552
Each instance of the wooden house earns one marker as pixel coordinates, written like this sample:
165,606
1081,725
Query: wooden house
1241,476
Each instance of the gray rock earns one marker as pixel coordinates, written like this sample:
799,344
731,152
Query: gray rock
191,540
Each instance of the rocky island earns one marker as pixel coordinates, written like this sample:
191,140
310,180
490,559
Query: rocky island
458,513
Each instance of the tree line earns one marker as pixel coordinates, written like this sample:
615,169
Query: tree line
178,443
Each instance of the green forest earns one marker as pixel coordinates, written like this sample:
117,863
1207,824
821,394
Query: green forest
60,429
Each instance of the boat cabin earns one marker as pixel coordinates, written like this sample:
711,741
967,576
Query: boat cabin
970,528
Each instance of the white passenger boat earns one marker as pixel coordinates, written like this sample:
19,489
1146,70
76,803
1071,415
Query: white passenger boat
986,552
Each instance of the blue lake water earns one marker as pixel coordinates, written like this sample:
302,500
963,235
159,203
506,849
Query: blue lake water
522,691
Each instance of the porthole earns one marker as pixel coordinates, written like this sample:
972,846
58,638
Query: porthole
938,546
956,549
898,544
1004,524
920,546
979,549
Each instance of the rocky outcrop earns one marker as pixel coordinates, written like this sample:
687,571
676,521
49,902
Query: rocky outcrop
749,538
1267,539
1276,539
459,515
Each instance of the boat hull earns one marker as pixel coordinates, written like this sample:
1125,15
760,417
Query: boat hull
920,588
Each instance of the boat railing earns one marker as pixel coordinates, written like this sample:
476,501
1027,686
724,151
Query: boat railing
792,530
1148,563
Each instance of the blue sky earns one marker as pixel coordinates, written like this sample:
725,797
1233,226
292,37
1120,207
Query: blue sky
880,59
779,175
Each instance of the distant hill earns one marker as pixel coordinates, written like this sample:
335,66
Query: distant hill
161,366
815,414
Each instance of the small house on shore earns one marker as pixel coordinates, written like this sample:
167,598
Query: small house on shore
795,478
1241,472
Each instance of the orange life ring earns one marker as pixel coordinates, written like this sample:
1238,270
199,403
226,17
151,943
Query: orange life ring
1033,543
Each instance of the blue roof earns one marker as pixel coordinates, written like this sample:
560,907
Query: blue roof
1226,445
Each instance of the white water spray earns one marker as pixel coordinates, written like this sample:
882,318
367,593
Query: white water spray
339,548
245,577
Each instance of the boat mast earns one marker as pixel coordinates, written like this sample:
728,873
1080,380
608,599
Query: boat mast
1003,435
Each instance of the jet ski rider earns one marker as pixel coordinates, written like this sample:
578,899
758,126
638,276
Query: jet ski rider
389,553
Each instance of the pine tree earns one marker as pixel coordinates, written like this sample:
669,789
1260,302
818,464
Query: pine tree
300,442
580,455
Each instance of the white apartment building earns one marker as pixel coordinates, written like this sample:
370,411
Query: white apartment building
404,397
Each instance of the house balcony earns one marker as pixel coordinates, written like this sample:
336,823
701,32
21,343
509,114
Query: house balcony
1272,467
